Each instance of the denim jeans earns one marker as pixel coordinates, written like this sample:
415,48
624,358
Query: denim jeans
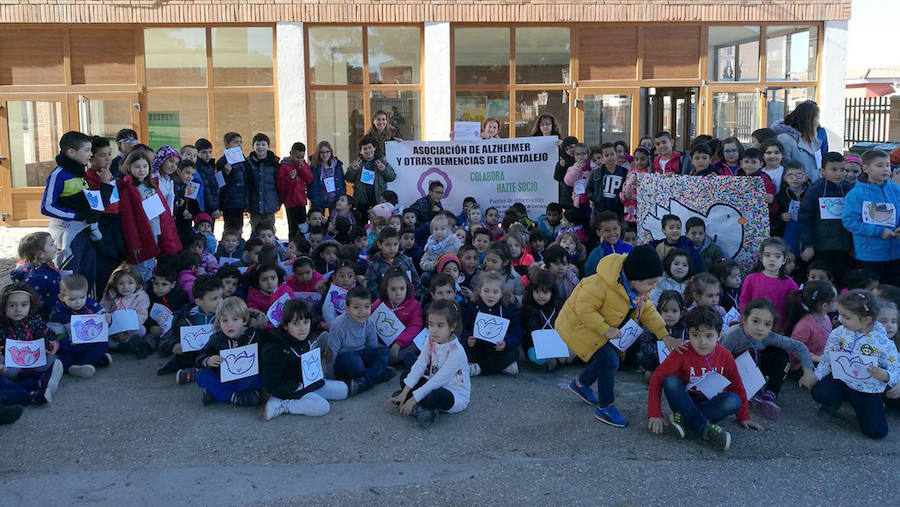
84,353
869,407
367,364
602,370
208,380
696,410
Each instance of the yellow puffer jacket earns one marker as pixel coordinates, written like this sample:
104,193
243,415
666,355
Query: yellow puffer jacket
598,303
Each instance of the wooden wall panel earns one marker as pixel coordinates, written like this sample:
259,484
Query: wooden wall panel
31,56
607,53
102,56
671,52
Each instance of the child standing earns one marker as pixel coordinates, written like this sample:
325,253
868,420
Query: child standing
822,235
859,336
293,178
36,252
773,156
282,371
486,357
20,386
768,279
667,161
592,315
677,270
605,183
730,154
770,351
369,173
79,360
125,292
870,214
233,195
577,175
641,165
359,359
327,177
164,164
232,317
794,187
206,173
751,166
439,379
692,410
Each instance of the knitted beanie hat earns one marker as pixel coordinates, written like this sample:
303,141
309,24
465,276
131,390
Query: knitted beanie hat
444,259
643,263
164,153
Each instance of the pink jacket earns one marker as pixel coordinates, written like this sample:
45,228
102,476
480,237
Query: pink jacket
186,281
299,286
575,173
410,314
811,333
258,300
139,302
629,194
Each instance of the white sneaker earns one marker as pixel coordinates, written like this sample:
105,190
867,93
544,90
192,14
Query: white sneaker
512,369
82,370
273,408
474,370
53,384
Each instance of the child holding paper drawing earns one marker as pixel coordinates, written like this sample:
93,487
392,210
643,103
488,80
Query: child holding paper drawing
822,235
593,314
770,351
283,368
397,294
21,386
334,297
359,358
679,377
233,195
230,246
304,278
860,341
79,360
207,291
539,310
439,379
167,293
125,292
232,317
671,308
145,237
36,253
491,357
265,286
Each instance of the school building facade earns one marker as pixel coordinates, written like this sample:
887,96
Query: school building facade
311,70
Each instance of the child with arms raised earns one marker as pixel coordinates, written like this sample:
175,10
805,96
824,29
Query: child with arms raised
859,336
232,317
207,292
692,410
79,360
439,379
282,372
770,351
592,315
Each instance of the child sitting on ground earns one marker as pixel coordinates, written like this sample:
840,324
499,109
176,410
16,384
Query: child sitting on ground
671,228
232,317
439,379
487,357
304,277
710,252
396,293
440,242
691,410
359,358
609,229
282,371
207,291
677,270
79,360
539,311
36,253
125,292
388,257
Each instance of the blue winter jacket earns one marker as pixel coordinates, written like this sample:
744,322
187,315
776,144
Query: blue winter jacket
234,193
879,201
262,184
316,189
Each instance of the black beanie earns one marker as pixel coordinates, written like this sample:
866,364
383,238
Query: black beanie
643,263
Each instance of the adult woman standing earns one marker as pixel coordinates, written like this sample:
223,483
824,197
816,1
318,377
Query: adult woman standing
328,177
797,133
383,132
546,125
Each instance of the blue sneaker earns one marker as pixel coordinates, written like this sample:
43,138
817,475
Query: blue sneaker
583,392
611,416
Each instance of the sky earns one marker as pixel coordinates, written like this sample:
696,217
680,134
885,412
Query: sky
872,24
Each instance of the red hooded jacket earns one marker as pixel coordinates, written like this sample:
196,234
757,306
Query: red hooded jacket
293,190
136,227
410,314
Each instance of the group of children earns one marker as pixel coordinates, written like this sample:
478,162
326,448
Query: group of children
376,288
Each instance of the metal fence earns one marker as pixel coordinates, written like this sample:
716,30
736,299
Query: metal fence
867,120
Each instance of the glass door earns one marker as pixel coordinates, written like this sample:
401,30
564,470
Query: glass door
673,110
105,114
606,116
734,111
30,128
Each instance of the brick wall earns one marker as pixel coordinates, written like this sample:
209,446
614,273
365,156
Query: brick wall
416,11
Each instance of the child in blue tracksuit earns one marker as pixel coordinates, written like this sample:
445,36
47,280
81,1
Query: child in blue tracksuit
73,222
79,360
36,252
870,214
232,331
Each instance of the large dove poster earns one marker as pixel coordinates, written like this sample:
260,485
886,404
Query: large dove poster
736,216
